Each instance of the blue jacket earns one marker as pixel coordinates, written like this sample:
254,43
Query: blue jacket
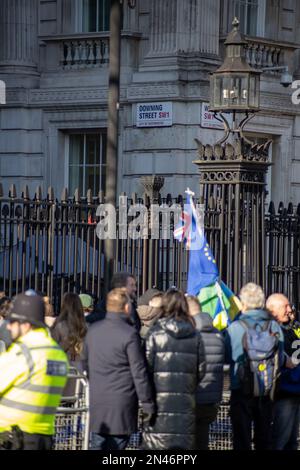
234,353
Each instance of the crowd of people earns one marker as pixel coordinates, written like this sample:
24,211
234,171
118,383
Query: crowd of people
159,354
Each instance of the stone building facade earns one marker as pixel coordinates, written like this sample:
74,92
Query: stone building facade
54,62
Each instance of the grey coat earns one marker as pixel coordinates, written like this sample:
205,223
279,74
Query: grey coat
210,388
116,367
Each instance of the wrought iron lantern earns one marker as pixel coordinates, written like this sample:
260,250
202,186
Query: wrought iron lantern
235,86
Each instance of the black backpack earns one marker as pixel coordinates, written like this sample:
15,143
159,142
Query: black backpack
260,369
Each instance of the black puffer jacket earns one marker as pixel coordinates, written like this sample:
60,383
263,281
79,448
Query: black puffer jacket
210,389
176,359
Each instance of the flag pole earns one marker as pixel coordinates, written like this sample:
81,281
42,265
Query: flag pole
219,293
201,232
191,193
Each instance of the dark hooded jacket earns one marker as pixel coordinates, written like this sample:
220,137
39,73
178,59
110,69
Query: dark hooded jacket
211,387
176,358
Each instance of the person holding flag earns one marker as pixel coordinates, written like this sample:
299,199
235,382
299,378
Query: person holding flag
214,296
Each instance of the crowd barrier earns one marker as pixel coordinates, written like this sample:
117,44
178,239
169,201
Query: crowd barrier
72,420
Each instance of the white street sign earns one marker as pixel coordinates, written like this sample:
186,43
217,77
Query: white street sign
154,114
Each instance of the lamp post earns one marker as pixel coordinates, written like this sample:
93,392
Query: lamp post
112,126
235,86
232,176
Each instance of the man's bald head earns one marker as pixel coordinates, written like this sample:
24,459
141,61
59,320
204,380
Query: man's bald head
279,307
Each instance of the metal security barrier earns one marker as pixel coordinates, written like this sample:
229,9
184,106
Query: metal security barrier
72,418
220,431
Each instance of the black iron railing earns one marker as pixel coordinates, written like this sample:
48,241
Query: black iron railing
52,246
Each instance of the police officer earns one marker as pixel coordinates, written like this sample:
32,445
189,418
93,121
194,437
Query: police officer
33,373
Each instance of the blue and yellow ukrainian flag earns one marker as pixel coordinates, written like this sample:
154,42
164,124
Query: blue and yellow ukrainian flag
203,275
220,303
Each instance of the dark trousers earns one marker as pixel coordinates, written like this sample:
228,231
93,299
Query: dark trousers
108,442
26,441
286,424
37,442
205,415
246,411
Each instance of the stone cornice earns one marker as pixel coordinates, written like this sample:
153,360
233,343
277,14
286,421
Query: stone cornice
168,91
68,96
17,96
279,103
152,91
73,116
200,92
86,35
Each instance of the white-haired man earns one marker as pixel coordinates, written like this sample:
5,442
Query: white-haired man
287,398
246,408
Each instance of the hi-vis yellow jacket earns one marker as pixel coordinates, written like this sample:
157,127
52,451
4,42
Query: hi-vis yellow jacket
33,373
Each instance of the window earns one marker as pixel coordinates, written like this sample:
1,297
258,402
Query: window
251,14
87,162
95,15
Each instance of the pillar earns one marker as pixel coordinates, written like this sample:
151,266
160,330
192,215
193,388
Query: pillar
19,36
190,26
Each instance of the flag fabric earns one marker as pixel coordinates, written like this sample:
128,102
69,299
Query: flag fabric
203,268
183,230
222,312
203,275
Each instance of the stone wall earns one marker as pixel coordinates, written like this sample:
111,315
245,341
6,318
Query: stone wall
169,47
